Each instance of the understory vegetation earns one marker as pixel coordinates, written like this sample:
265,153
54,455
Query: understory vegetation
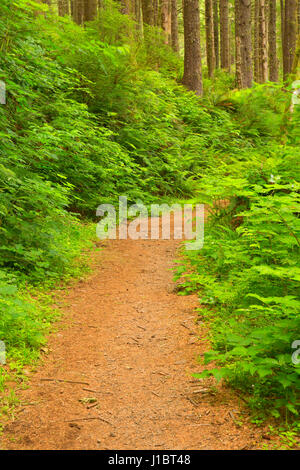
90,116
248,271
86,120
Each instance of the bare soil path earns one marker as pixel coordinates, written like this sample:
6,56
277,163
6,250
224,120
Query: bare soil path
130,339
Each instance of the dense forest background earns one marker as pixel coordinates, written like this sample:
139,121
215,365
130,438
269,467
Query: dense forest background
257,39
161,102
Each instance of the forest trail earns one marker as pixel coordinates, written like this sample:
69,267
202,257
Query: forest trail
132,342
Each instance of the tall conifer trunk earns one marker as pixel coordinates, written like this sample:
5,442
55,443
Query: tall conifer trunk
273,63
209,27
262,43
63,7
192,77
224,34
244,40
174,26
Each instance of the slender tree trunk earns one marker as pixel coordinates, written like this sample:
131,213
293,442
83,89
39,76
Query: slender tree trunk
231,22
238,60
125,7
244,34
63,7
90,10
166,19
174,26
224,34
216,32
209,27
78,11
287,113
156,12
262,43
138,15
256,41
296,60
170,22
192,77
289,35
282,9
148,11
273,64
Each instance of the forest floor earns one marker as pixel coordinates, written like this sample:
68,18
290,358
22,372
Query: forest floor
118,371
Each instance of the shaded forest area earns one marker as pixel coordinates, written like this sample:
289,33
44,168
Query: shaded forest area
160,101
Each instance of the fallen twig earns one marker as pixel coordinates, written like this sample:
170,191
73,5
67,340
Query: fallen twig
192,401
88,419
92,406
80,419
66,381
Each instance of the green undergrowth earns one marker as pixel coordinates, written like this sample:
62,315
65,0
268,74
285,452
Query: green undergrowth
91,113
29,310
248,272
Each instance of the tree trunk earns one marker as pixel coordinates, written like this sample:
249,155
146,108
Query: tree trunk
63,7
78,11
90,10
238,60
244,34
148,11
174,26
209,27
282,8
125,7
138,15
289,35
273,64
156,12
224,34
262,43
256,41
192,77
292,77
166,19
216,33
170,23
296,60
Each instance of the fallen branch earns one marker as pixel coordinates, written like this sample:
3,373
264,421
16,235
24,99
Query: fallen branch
88,419
65,381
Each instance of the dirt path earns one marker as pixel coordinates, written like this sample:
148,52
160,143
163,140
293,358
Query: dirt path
131,339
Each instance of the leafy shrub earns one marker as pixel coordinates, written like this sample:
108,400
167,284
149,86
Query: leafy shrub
248,275
23,323
86,120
